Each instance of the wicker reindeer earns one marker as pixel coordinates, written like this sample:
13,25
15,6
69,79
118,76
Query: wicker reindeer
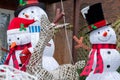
64,72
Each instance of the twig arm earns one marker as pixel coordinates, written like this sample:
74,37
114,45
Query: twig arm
59,15
80,43
3,49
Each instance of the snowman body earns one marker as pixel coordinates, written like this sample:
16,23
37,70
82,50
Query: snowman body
34,31
49,62
110,57
35,12
20,39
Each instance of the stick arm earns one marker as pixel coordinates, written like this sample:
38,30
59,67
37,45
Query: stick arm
80,43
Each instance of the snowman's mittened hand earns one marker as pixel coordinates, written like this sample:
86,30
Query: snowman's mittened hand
58,16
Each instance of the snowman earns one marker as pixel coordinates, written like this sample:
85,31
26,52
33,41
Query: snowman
19,41
32,9
104,59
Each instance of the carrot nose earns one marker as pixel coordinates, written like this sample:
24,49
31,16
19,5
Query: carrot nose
26,15
13,45
105,34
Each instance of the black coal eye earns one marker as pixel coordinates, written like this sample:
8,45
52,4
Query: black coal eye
23,13
18,38
108,30
32,11
9,39
98,32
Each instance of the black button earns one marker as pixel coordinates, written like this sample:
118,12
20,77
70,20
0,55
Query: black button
87,70
109,52
97,71
108,66
97,65
88,64
20,65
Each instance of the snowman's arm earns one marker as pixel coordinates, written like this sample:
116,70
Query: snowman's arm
3,49
80,43
58,16
118,49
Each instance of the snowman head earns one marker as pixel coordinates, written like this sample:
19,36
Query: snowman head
18,31
32,12
104,35
30,9
18,38
100,31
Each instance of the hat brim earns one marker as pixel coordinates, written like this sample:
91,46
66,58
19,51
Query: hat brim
17,31
97,28
20,8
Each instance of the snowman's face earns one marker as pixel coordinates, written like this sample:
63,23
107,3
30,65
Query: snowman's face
19,39
33,12
104,35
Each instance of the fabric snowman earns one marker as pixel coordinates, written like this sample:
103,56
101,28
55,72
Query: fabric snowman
19,41
104,59
32,9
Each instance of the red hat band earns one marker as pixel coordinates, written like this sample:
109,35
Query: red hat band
32,1
25,2
97,25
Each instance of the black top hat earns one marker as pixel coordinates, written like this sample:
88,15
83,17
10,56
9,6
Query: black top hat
94,16
27,3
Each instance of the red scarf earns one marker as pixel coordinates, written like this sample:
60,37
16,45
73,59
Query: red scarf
99,66
12,54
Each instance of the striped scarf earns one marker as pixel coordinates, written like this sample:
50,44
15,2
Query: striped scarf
12,54
99,66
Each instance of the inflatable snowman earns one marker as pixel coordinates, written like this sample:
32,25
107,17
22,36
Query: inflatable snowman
19,41
31,9
104,59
